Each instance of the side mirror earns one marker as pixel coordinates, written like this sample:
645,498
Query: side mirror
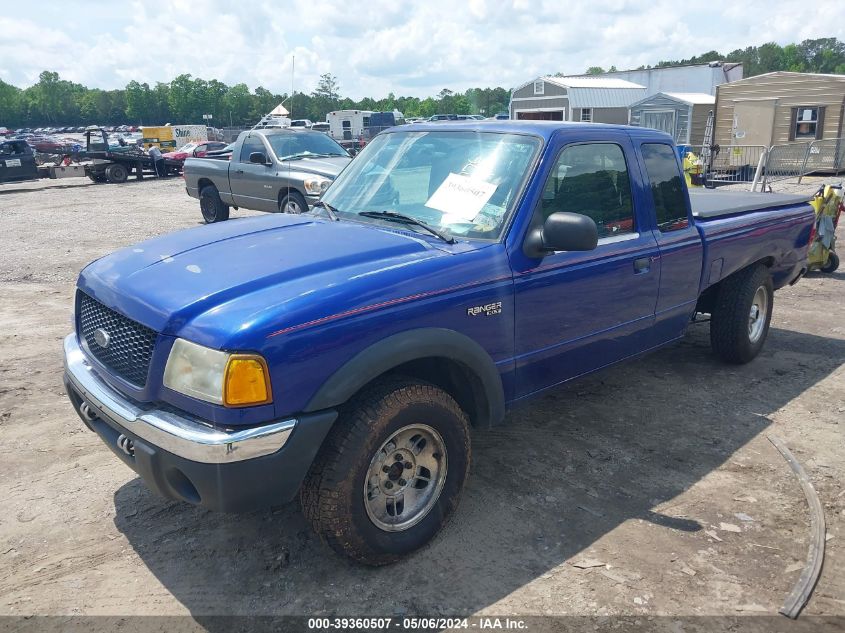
562,232
258,157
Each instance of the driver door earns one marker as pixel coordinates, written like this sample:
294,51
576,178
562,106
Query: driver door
579,311
252,182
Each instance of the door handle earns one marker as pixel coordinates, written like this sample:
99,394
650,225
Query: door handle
642,265
239,171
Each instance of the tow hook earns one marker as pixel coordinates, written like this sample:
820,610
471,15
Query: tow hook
87,411
126,445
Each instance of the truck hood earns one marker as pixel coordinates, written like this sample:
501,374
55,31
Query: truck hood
266,262
330,166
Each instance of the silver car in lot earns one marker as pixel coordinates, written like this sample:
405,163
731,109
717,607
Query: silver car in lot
277,170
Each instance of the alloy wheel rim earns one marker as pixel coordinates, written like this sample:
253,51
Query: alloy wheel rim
405,478
758,313
292,206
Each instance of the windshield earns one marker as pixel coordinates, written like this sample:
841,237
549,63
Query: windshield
464,184
301,145
187,148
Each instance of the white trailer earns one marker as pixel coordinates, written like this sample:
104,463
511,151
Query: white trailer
348,125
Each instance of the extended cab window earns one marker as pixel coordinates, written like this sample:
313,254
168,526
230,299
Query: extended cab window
251,144
666,188
592,179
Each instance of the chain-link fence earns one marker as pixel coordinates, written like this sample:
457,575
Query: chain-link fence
230,134
826,155
761,165
784,162
732,164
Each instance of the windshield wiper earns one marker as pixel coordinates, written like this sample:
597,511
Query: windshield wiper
298,156
330,210
406,219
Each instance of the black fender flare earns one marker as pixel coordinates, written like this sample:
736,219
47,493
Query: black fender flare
407,346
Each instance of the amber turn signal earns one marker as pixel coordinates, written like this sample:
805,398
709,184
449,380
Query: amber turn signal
246,382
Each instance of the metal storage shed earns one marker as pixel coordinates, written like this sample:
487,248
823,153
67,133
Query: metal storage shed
586,99
683,115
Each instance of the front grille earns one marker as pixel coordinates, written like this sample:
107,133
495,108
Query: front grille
129,346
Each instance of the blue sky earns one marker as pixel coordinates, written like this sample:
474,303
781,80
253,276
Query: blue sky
375,47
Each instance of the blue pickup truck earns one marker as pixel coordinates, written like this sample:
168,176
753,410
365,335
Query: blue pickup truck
450,272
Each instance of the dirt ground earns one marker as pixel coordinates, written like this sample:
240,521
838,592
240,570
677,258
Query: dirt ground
656,477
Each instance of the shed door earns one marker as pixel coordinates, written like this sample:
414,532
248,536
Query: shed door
663,120
753,121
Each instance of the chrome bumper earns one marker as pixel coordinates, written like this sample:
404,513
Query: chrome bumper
181,435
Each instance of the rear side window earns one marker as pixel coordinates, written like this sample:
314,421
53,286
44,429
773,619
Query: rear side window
592,179
666,188
251,144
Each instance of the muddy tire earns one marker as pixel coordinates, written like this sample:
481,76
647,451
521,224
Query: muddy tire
116,173
741,315
832,263
293,202
212,207
390,473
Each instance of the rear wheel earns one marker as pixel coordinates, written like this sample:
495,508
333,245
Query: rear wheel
740,319
390,473
212,207
832,263
293,202
116,173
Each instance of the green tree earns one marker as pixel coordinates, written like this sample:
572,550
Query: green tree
140,103
237,103
328,87
11,108
595,70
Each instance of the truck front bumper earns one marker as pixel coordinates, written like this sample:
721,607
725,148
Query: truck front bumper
182,457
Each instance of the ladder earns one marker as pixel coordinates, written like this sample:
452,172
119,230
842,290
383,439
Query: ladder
706,155
708,133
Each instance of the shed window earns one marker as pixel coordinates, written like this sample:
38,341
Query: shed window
806,122
586,115
539,87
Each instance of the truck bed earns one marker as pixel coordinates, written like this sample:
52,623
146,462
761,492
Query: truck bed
741,228
707,203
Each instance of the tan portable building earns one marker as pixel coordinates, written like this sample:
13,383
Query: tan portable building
778,108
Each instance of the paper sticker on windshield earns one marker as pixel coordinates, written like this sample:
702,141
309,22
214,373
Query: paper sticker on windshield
461,196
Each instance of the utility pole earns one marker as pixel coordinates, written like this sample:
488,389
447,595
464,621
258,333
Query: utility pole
292,66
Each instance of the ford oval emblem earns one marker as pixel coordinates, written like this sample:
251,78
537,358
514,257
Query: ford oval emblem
102,337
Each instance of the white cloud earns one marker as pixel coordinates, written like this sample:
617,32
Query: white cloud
380,46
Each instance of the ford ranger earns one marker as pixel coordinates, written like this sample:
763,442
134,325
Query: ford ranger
270,170
449,273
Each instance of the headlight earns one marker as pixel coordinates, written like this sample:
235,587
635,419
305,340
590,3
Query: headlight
234,380
316,186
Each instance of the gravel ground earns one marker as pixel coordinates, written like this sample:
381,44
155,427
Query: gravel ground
650,489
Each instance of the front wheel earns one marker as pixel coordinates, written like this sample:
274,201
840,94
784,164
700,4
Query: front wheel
740,320
390,473
293,202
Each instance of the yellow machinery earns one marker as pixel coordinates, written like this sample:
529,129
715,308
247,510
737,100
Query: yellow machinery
828,206
169,138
